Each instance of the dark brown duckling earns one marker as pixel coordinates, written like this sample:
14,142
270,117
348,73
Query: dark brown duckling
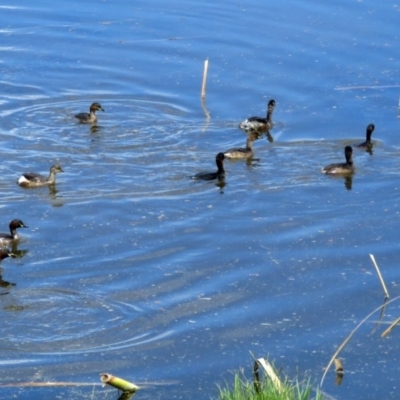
90,117
346,168
8,239
367,145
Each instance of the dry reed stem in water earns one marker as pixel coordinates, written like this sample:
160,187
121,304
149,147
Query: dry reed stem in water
379,275
269,370
398,113
203,93
118,383
388,330
349,337
366,87
338,366
339,371
49,384
203,86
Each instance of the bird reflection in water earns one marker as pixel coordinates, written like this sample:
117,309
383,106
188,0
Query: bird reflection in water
259,133
56,199
221,184
95,129
18,253
5,284
4,253
348,182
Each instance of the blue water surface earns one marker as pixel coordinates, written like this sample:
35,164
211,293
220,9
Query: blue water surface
130,267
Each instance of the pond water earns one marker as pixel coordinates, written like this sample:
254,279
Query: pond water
130,267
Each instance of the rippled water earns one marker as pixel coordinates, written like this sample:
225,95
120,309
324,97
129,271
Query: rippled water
129,266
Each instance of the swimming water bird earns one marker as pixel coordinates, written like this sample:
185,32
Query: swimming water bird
209,176
89,118
7,239
341,168
246,152
31,179
367,144
259,124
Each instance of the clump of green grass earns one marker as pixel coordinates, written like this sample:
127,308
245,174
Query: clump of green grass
267,389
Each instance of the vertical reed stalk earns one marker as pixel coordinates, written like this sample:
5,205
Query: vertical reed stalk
398,110
203,86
